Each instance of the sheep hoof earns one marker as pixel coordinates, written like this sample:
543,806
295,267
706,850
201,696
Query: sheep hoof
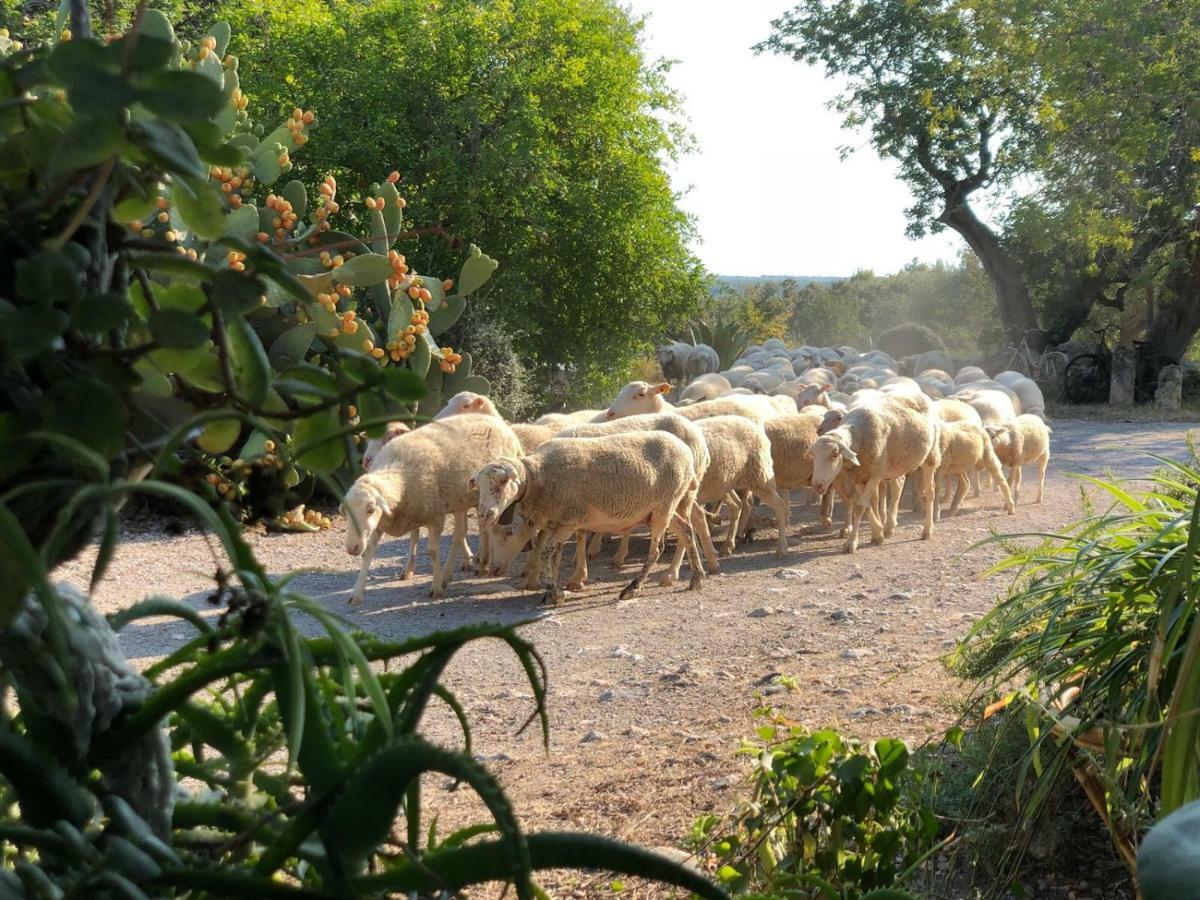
713,569
574,585
877,539
630,589
696,582
926,533
554,596
437,594
404,576
666,579
849,546
354,600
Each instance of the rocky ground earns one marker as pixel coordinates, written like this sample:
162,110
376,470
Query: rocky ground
649,698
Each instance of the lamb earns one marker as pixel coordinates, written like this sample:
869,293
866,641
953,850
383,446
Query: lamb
597,484
1023,440
740,464
885,438
791,437
965,448
416,482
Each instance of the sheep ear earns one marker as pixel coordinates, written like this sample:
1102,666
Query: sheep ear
851,457
472,484
663,388
394,430
825,388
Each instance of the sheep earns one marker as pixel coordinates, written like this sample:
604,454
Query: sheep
965,448
702,360
885,438
951,409
791,437
933,359
416,482
970,375
562,420
994,407
1025,439
532,436
740,464
706,387
610,483
374,445
672,358
640,397
687,432
467,402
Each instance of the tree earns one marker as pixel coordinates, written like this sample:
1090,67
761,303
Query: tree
536,128
939,84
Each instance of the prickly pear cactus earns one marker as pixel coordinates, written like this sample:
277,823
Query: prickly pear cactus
360,296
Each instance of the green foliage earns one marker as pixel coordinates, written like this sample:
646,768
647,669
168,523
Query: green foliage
907,339
954,301
253,761
725,337
1102,637
828,816
537,127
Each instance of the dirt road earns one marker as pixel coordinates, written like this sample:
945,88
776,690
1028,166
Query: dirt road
648,698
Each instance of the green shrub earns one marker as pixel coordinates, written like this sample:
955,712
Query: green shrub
908,339
828,816
1100,634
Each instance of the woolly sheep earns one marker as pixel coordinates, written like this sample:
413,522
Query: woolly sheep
374,445
1023,440
791,437
740,464
639,397
416,482
994,407
965,449
881,440
933,359
596,484
706,387
467,402
702,360
969,375
672,358
562,420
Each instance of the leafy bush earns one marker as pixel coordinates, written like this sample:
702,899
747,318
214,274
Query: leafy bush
252,761
1101,633
907,339
827,816
497,351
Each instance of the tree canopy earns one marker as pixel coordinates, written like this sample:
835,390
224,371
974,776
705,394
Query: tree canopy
1077,118
535,127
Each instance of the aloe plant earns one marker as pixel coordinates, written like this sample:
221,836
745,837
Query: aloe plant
726,338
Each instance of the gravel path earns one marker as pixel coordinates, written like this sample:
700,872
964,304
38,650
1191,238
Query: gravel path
650,697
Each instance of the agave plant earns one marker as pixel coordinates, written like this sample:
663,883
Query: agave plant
726,338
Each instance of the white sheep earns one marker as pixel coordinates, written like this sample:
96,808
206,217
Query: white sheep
740,464
1023,440
640,397
416,482
965,449
701,360
970,375
392,431
706,387
672,358
791,437
606,484
579,417
882,440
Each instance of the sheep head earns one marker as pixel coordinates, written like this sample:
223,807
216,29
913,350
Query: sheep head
829,453
365,508
394,430
500,484
636,398
468,402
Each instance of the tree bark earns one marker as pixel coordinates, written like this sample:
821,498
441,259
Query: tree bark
1176,318
1013,302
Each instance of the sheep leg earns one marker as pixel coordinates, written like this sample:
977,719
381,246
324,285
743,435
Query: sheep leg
732,504
993,465
975,483
414,544
926,483
685,533
555,595
700,527
658,525
618,559
860,503
939,482
465,548
433,541
457,540
1042,462
579,576
360,586
779,503
827,511
960,491
1014,481
536,561
595,546
746,501
891,493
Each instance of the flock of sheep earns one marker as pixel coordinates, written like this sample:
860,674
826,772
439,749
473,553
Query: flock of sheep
842,423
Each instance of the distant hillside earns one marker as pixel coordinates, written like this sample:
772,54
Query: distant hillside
737,282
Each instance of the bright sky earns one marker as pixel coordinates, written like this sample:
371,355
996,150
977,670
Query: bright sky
769,191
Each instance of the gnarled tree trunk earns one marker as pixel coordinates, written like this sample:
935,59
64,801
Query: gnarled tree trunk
1176,317
1012,296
